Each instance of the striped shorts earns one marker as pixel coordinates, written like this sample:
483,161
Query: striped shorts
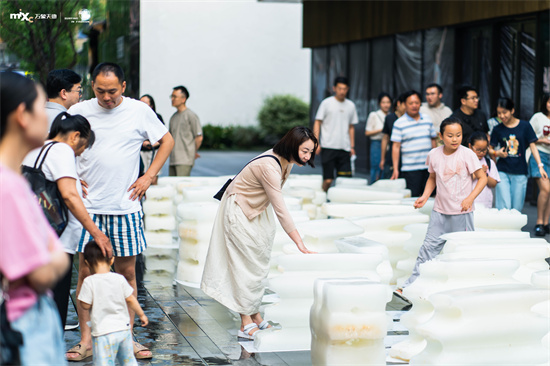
124,231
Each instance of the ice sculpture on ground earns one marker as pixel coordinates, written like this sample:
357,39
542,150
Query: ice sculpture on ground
490,325
442,275
160,223
348,322
295,289
319,235
529,252
357,244
195,229
350,194
541,279
349,210
494,219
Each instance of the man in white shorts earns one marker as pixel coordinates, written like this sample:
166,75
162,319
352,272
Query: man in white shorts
111,171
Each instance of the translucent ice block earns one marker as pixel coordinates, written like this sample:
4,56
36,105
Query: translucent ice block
499,219
348,322
360,245
162,237
154,223
199,194
491,325
314,181
350,182
349,194
441,275
391,222
160,192
158,207
203,211
344,210
388,184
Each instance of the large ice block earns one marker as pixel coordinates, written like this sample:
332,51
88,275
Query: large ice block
154,223
199,194
530,255
499,219
319,235
345,210
360,245
541,279
490,325
485,235
348,322
159,192
314,181
389,184
441,275
390,223
351,194
158,207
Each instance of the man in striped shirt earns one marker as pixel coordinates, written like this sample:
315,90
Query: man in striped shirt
413,137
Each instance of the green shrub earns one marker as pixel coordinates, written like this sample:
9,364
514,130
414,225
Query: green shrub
232,137
279,114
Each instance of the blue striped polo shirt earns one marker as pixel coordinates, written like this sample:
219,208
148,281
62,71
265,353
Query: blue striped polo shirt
416,140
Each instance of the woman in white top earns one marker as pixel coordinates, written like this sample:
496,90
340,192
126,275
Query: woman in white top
541,124
242,237
375,124
69,136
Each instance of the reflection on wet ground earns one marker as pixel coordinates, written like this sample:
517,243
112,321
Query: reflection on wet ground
186,327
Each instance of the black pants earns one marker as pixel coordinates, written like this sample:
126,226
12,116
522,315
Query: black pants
62,291
416,181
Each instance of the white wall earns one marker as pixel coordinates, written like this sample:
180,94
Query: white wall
229,54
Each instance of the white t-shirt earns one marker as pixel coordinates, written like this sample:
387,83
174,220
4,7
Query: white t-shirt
107,293
337,117
538,121
375,121
111,166
61,163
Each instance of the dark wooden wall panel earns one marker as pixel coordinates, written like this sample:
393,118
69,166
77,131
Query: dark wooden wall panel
330,22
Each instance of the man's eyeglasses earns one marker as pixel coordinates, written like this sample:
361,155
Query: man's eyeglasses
79,91
473,98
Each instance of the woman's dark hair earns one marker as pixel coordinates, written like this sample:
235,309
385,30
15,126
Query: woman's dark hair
14,90
65,123
449,121
505,103
288,146
543,102
151,102
382,95
478,136
93,255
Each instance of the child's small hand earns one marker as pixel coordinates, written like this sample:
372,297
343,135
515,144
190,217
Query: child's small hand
467,204
420,202
502,153
485,167
144,320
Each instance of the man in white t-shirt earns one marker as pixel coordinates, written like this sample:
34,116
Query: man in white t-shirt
434,107
111,171
335,130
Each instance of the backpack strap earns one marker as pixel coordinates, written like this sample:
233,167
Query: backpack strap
48,147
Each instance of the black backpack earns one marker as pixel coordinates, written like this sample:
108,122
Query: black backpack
47,193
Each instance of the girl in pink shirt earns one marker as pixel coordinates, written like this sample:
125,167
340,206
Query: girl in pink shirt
451,168
31,257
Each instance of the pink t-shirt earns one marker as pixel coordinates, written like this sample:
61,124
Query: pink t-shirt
485,198
453,177
24,237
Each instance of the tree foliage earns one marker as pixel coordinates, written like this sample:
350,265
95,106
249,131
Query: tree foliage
43,44
280,113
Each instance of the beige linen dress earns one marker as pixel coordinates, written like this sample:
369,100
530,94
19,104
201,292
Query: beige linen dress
243,233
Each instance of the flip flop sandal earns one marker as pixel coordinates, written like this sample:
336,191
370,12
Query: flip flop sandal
245,333
82,353
141,348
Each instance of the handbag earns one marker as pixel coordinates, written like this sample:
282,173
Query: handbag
10,339
47,193
220,193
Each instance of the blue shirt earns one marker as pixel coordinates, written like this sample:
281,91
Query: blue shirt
416,140
515,140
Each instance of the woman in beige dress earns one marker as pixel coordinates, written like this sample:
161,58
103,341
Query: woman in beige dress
244,229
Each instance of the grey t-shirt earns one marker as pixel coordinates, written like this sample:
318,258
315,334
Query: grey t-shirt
184,127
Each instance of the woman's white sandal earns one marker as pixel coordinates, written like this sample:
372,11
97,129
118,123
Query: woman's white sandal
245,333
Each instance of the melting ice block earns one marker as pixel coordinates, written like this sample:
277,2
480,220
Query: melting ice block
153,223
530,255
490,325
360,245
390,223
440,275
319,235
541,279
350,182
199,194
160,192
345,210
389,184
348,322
351,194
314,181
495,219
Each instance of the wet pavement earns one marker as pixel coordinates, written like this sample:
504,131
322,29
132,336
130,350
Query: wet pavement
186,327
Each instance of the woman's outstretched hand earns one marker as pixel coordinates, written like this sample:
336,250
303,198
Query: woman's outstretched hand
302,248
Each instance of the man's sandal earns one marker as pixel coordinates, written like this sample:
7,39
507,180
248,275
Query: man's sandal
83,353
245,333
141,348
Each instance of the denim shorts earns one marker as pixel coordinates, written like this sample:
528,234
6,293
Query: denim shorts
534,171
